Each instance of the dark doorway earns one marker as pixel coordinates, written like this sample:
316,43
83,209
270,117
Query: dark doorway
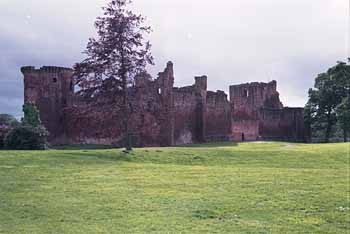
243,137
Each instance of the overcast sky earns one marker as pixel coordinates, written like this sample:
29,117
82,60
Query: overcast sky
231,41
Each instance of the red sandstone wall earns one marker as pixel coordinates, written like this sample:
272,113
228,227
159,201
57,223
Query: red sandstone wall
101,124
218,117
161,115
190,112
185,115
247,99
99,121
245,130
72,119
51,89
286,124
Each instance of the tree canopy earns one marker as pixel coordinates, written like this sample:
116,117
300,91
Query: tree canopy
328,100
118,54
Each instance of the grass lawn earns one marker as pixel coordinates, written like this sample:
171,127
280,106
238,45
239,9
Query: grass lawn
223,188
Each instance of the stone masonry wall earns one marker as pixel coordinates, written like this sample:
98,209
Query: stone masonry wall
258,114
162,115
51,89
218,117
285,124
151,121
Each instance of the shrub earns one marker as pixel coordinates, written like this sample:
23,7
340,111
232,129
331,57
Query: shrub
26,137
3,131
8,120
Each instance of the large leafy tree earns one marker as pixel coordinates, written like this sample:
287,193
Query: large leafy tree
342,78
330,89
343,113
116,56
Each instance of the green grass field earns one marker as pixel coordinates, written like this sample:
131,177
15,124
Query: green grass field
224,188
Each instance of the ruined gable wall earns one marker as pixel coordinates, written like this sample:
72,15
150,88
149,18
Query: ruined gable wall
165,83
247,99
246,102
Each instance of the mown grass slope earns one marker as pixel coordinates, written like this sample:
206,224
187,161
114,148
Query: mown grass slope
214,188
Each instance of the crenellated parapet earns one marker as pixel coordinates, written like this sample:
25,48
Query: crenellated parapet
45,69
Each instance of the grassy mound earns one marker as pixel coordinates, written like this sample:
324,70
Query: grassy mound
214,188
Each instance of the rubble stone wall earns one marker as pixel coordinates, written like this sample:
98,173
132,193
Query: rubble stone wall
51,89
161,114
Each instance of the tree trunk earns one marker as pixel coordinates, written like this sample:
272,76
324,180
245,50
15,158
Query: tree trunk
345,135
328,133
126,114
127,135
329,127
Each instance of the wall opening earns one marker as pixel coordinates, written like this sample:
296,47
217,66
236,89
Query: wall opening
54,80
246,93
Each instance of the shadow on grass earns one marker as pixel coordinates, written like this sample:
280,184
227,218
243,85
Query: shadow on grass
80,147
101,147
212,145
92,157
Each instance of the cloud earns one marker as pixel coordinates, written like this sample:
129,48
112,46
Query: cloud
231,41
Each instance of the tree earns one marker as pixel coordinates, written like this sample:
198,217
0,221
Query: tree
330,89
321,106
118,54
343,113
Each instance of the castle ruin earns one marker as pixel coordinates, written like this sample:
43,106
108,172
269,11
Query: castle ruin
162,115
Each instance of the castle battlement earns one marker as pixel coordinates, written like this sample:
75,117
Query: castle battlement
255,84
45,69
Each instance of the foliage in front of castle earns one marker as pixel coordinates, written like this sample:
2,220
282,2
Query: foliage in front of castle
30,134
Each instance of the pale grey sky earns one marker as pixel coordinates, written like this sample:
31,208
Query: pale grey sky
231,41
